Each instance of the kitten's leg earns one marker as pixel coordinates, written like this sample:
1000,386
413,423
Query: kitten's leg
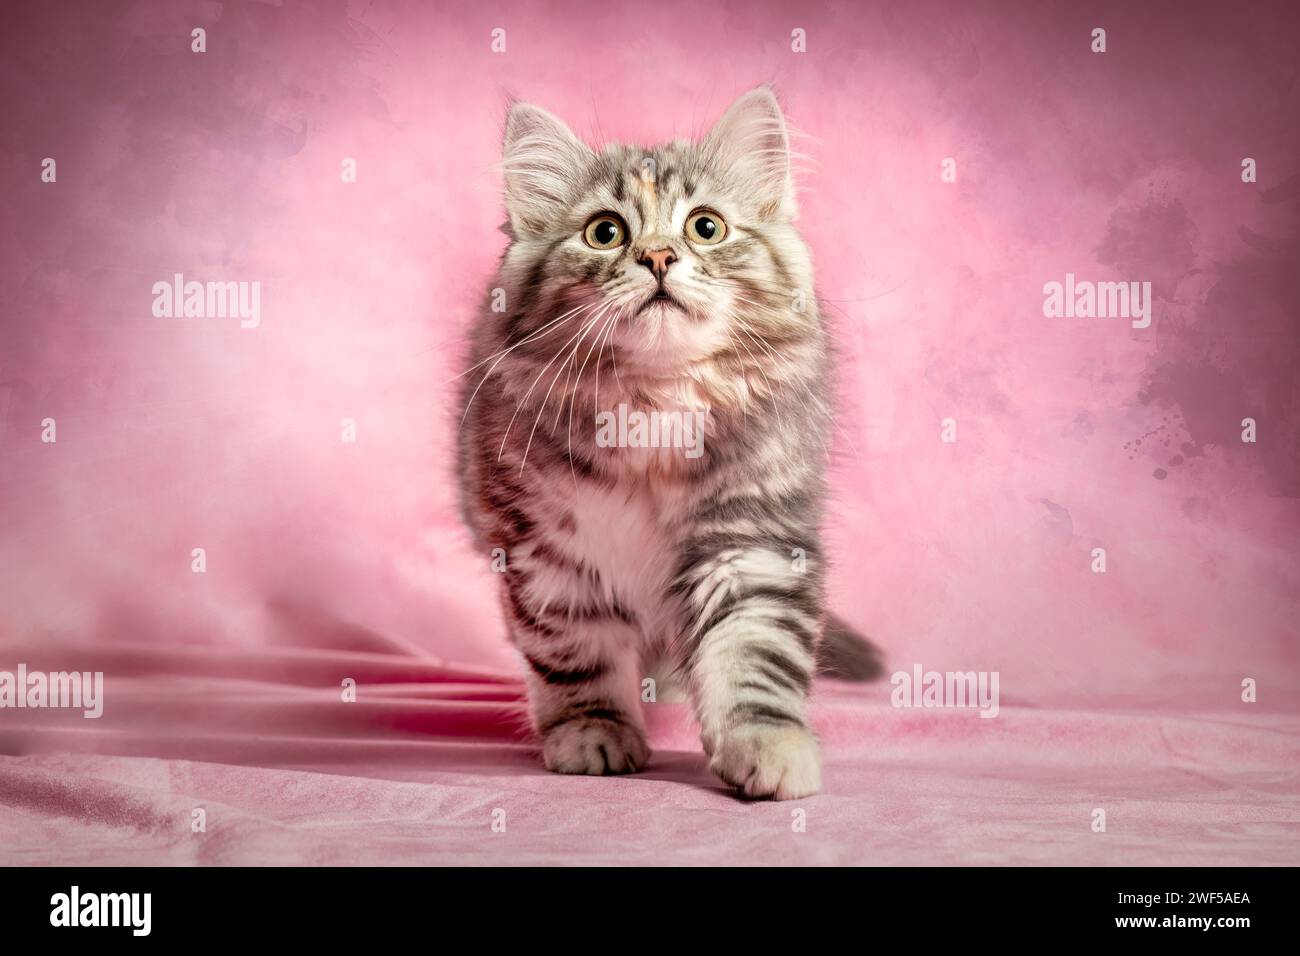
584,680
751,665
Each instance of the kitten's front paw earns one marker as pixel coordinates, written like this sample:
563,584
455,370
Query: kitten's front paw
595,745
761,760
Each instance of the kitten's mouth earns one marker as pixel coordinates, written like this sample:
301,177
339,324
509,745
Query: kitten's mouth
661,297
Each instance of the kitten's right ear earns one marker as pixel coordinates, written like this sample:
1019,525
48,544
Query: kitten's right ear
541,161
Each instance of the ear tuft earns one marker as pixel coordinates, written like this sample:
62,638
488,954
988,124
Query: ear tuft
753,142
541,160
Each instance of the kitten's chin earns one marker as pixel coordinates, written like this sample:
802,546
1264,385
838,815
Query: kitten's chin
664,341
690,382
661,365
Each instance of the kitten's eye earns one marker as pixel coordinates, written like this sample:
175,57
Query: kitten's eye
604,232
707,228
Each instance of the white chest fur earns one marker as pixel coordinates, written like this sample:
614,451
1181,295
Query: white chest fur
624,535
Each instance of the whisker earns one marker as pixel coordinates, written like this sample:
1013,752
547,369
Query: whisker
776,405
506,351
563,319
819,402
510,424
573,398
595,400
542,410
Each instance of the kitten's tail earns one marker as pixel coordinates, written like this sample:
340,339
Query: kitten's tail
846,655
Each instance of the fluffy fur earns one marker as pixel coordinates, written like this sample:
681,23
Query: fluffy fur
617,559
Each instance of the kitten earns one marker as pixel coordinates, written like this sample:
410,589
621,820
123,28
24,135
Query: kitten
663,280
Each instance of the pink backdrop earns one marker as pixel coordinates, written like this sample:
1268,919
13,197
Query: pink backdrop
1072,434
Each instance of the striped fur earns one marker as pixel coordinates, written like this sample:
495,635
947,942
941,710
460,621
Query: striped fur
618,558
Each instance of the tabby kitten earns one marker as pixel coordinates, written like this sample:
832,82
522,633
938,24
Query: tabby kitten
663,280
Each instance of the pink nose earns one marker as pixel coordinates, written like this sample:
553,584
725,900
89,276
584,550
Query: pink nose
658,261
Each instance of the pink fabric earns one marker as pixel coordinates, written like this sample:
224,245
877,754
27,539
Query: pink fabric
325,559
414,770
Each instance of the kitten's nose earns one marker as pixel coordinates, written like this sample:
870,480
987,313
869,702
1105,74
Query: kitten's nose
658,261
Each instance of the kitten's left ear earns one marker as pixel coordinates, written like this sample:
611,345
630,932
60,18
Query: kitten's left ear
751,140
541,161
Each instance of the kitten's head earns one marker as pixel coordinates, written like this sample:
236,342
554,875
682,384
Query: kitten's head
680,255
